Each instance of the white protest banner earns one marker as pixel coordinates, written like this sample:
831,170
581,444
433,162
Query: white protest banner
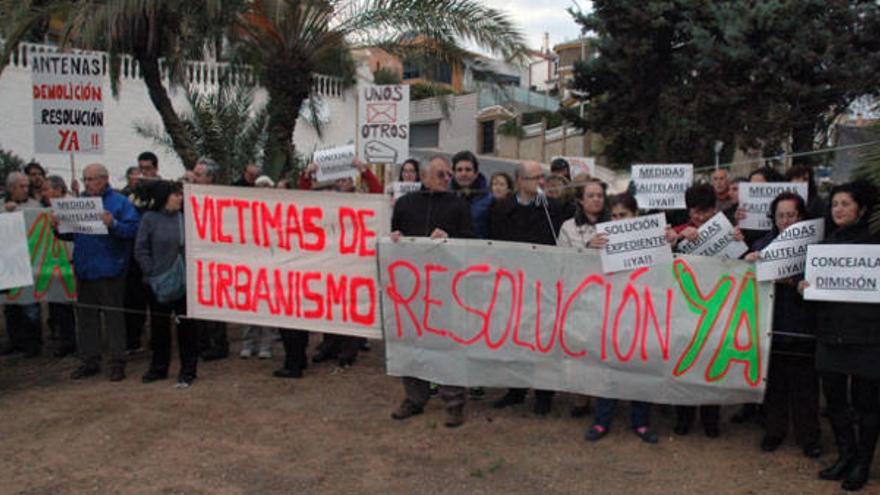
467,313
53,279
401,188
755,198
715,238
635,243
843,272
15,259
335,163
662,186
785,256
68,102
579,165
383,123
291,259
83,215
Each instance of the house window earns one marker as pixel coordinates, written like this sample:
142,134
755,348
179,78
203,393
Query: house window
487,131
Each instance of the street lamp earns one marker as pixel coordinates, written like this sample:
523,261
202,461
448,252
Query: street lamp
719,145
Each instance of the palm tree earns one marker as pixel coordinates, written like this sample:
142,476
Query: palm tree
224,125
287,40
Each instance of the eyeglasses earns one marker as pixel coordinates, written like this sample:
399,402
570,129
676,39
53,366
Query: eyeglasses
89,179
533,177
442,174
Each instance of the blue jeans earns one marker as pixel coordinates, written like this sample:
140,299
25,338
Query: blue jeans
640,413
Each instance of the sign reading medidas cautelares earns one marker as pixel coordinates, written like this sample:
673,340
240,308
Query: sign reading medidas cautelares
383,123
335,163
715,238
843,272
79,215
785,256
460,312
662,186
755,199
68,102
290,259
635,243
15,262
399,189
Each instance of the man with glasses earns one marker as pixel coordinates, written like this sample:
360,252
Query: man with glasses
437,213
148,164
530,217
101,262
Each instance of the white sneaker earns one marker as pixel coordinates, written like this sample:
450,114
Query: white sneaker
246,353
265,354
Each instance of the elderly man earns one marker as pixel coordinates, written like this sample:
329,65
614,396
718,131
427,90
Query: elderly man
437,213
213,341
248,176
530,217
101,262
23,323
62,320
721,184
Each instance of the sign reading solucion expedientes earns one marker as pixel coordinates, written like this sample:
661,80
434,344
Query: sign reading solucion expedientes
715,238
335,163
843,272
785,256
383,123
79,215
15,269
662,186
755,199
635,243
68,102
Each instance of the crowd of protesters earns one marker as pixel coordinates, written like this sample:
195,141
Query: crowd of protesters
818,348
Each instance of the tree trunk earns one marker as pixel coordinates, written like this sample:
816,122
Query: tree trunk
803,138
180,139
286,96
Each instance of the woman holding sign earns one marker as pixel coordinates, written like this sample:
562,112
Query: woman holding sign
792,381
622,206
848,349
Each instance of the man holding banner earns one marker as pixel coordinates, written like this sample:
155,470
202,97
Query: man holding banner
439,214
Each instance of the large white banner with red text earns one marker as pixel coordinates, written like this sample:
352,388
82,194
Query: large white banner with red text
280,258
693,331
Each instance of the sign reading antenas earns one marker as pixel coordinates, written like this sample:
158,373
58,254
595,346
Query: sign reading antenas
383,123
304,260
692,331
68,101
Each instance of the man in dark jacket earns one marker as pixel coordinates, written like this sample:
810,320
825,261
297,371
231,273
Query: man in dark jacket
437,213
528,216
101,262
474,188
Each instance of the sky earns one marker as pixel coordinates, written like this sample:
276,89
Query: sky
535,17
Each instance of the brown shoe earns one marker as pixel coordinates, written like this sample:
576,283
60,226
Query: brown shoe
455,417
117,374
406,410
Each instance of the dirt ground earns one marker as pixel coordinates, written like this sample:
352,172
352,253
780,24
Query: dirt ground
239,430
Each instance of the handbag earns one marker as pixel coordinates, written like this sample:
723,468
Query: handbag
170,285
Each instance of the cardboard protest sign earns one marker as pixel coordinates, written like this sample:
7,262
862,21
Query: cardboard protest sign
715,239
68,102
291,259
335,163
383,123
15,261
579,165
635,243
843,272
52,277
459,312
786,255
83,215
755,198
400,188
662,186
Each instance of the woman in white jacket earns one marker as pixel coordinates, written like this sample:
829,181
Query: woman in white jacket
590,209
